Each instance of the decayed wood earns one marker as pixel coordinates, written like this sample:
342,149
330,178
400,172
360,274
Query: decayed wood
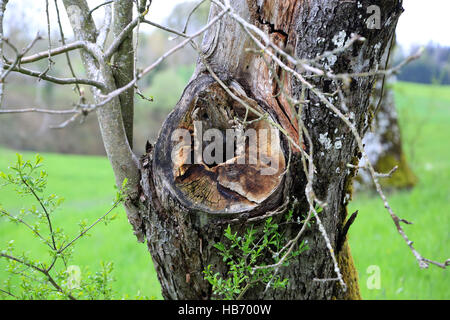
182,222
231,186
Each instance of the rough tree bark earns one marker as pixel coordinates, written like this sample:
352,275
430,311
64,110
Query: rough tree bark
188,207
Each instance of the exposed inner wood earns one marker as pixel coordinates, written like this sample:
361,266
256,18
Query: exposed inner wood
235,183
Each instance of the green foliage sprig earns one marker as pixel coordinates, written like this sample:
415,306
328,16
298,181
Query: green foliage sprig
50,277
244,256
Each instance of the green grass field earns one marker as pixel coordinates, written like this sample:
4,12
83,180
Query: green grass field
87,185
424,113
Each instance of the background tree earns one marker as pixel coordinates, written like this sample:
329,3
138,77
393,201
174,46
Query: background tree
383,142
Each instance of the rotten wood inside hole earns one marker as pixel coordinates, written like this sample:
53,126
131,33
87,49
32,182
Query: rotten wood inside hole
247,169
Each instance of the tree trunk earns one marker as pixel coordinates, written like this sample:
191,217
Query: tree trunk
190,205
124,64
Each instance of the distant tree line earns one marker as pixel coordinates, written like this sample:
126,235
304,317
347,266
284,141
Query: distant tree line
432,68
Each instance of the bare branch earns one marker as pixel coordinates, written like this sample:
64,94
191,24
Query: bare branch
99,6
13,218
50,61
41,270
9,294
77,112
69,121
15,66
63,41
115,205
191,13
115,93
38,110
104,30
19,55
54,52
122,36
378,174
154,24
64,81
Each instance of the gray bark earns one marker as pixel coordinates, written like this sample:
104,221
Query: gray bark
181,233
123,62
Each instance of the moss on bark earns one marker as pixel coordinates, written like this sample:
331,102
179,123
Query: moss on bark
402,178
349,273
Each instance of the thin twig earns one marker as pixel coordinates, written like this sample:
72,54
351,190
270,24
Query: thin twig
47,214
99,6
63,41
19,56
38,110
27,225
90,227
9,294
39,269
53,52
49,54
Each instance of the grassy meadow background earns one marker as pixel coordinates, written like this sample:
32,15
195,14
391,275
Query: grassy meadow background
86,182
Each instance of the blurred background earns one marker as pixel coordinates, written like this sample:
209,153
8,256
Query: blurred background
74,156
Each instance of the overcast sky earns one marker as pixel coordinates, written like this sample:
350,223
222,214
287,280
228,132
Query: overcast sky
421,23
424,22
